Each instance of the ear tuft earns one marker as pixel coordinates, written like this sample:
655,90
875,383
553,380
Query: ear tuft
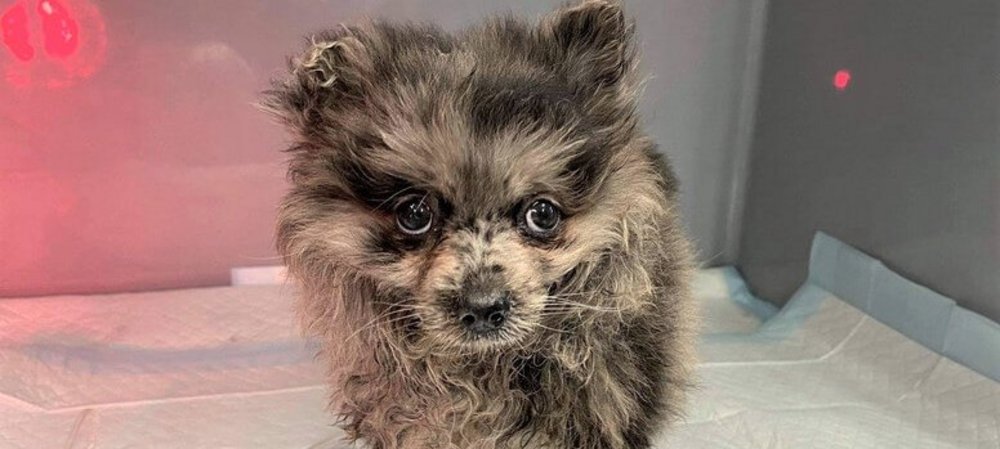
334,70
326,61
318,65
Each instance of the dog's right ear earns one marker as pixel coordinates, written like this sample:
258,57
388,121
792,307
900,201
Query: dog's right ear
596,41
334,71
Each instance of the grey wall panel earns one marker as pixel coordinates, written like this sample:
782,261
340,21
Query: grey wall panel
904,164
702,57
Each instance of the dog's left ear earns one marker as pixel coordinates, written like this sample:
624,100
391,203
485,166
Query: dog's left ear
334,71
595,40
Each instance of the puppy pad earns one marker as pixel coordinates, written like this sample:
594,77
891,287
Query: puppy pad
225,368
843,365
202,368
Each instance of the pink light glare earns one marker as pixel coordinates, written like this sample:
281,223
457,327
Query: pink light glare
16,33
53,43
62,33
842,79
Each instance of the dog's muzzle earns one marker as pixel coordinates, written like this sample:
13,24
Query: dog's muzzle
483,314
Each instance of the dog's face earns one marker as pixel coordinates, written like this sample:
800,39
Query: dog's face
453,187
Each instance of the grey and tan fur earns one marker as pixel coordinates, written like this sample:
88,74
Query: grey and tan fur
595,347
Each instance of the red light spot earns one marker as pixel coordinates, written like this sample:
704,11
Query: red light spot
62,33
842,79
14,23
55,43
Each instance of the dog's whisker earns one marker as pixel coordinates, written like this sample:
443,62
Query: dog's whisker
373,323
552,329
576,305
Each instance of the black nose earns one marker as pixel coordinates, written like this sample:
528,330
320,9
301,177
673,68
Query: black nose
486,314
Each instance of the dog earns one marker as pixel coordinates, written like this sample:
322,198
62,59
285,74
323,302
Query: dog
486,243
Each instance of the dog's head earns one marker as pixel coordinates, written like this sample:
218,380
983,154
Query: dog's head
463,189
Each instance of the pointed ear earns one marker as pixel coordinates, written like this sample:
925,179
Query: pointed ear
595,39
334,71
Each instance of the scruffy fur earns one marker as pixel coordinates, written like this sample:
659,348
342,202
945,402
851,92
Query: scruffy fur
597,352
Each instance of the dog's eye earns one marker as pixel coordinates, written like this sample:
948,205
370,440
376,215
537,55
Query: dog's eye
541,217
414,216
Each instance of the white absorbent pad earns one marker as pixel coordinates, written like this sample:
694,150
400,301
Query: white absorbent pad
225,368
824,374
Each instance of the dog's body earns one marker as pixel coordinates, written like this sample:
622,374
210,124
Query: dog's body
486,243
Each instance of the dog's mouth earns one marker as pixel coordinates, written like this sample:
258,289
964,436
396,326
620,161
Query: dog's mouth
478,326
498,333
461,339
492,341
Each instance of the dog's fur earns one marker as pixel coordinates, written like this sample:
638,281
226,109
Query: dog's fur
598,349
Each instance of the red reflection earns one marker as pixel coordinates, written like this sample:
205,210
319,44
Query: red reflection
62,33
71,33
842,79
16,34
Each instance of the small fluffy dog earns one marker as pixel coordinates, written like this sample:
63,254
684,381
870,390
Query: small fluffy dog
487,244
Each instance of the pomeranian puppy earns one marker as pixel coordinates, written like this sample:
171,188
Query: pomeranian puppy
486,242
